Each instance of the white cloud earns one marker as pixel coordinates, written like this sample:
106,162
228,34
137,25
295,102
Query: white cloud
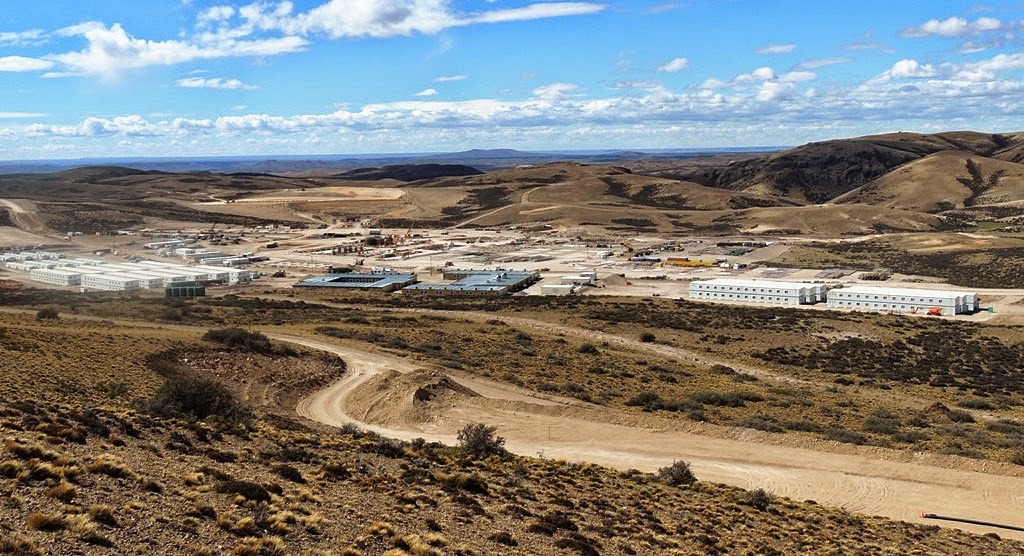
635,84
392,18
666,7
21,63
450,78
760,74
426,93
555,91
764,103
111,50
954,27
798,77
776,49
869,45
818,63
32,37
911,69
213,83
20,115
674,65
215,14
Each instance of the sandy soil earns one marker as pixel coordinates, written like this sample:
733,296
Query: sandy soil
567,429
327,194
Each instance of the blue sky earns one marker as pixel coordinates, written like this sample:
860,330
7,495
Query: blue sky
210,77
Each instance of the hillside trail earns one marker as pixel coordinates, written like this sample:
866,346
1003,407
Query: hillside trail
24,216
549,427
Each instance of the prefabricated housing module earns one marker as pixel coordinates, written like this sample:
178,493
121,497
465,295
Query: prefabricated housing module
757,291
904,300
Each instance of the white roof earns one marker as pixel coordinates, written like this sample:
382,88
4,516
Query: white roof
744,283
56,271
913,292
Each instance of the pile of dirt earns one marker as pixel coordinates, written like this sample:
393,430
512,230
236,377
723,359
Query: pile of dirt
394,398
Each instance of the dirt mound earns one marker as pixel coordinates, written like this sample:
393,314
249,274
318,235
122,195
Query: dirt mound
404,398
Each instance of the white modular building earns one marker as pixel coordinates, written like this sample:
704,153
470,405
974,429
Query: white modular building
110,282
577,280
757,291
904,300
56,276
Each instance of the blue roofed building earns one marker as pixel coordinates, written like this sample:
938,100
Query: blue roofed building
492,282
374,281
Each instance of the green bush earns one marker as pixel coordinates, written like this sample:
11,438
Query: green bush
478,440
677,474
240,339
197,398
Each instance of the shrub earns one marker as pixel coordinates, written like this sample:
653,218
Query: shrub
759,499
246,489
198,398
958,416
240,339
479,441
677,474
648,337
588,348
47,314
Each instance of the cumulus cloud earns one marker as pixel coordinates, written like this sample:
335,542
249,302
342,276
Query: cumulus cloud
914,94
954,27
268,28
112,49
21,63
555,91
450,78
426,93
674,65
776,49
213,83
907,69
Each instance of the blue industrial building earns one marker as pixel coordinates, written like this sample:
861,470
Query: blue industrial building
375,281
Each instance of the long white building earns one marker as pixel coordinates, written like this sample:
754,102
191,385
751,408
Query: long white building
757,291
903,300
120,276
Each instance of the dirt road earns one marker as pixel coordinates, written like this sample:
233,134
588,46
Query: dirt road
25,217
565,429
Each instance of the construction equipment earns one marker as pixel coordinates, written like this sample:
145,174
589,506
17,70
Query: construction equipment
935,312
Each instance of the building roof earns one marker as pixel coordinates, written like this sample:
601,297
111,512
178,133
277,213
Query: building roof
357,280
747,283
917,292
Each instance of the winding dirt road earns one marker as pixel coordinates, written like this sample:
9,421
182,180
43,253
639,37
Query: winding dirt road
566,429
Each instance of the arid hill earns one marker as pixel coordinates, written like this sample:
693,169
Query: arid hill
820,172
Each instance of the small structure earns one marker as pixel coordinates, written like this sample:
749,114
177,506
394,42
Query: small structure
904,300
578,280
373,281
557,289
185,289
757,291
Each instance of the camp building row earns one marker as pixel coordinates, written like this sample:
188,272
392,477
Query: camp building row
865,298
